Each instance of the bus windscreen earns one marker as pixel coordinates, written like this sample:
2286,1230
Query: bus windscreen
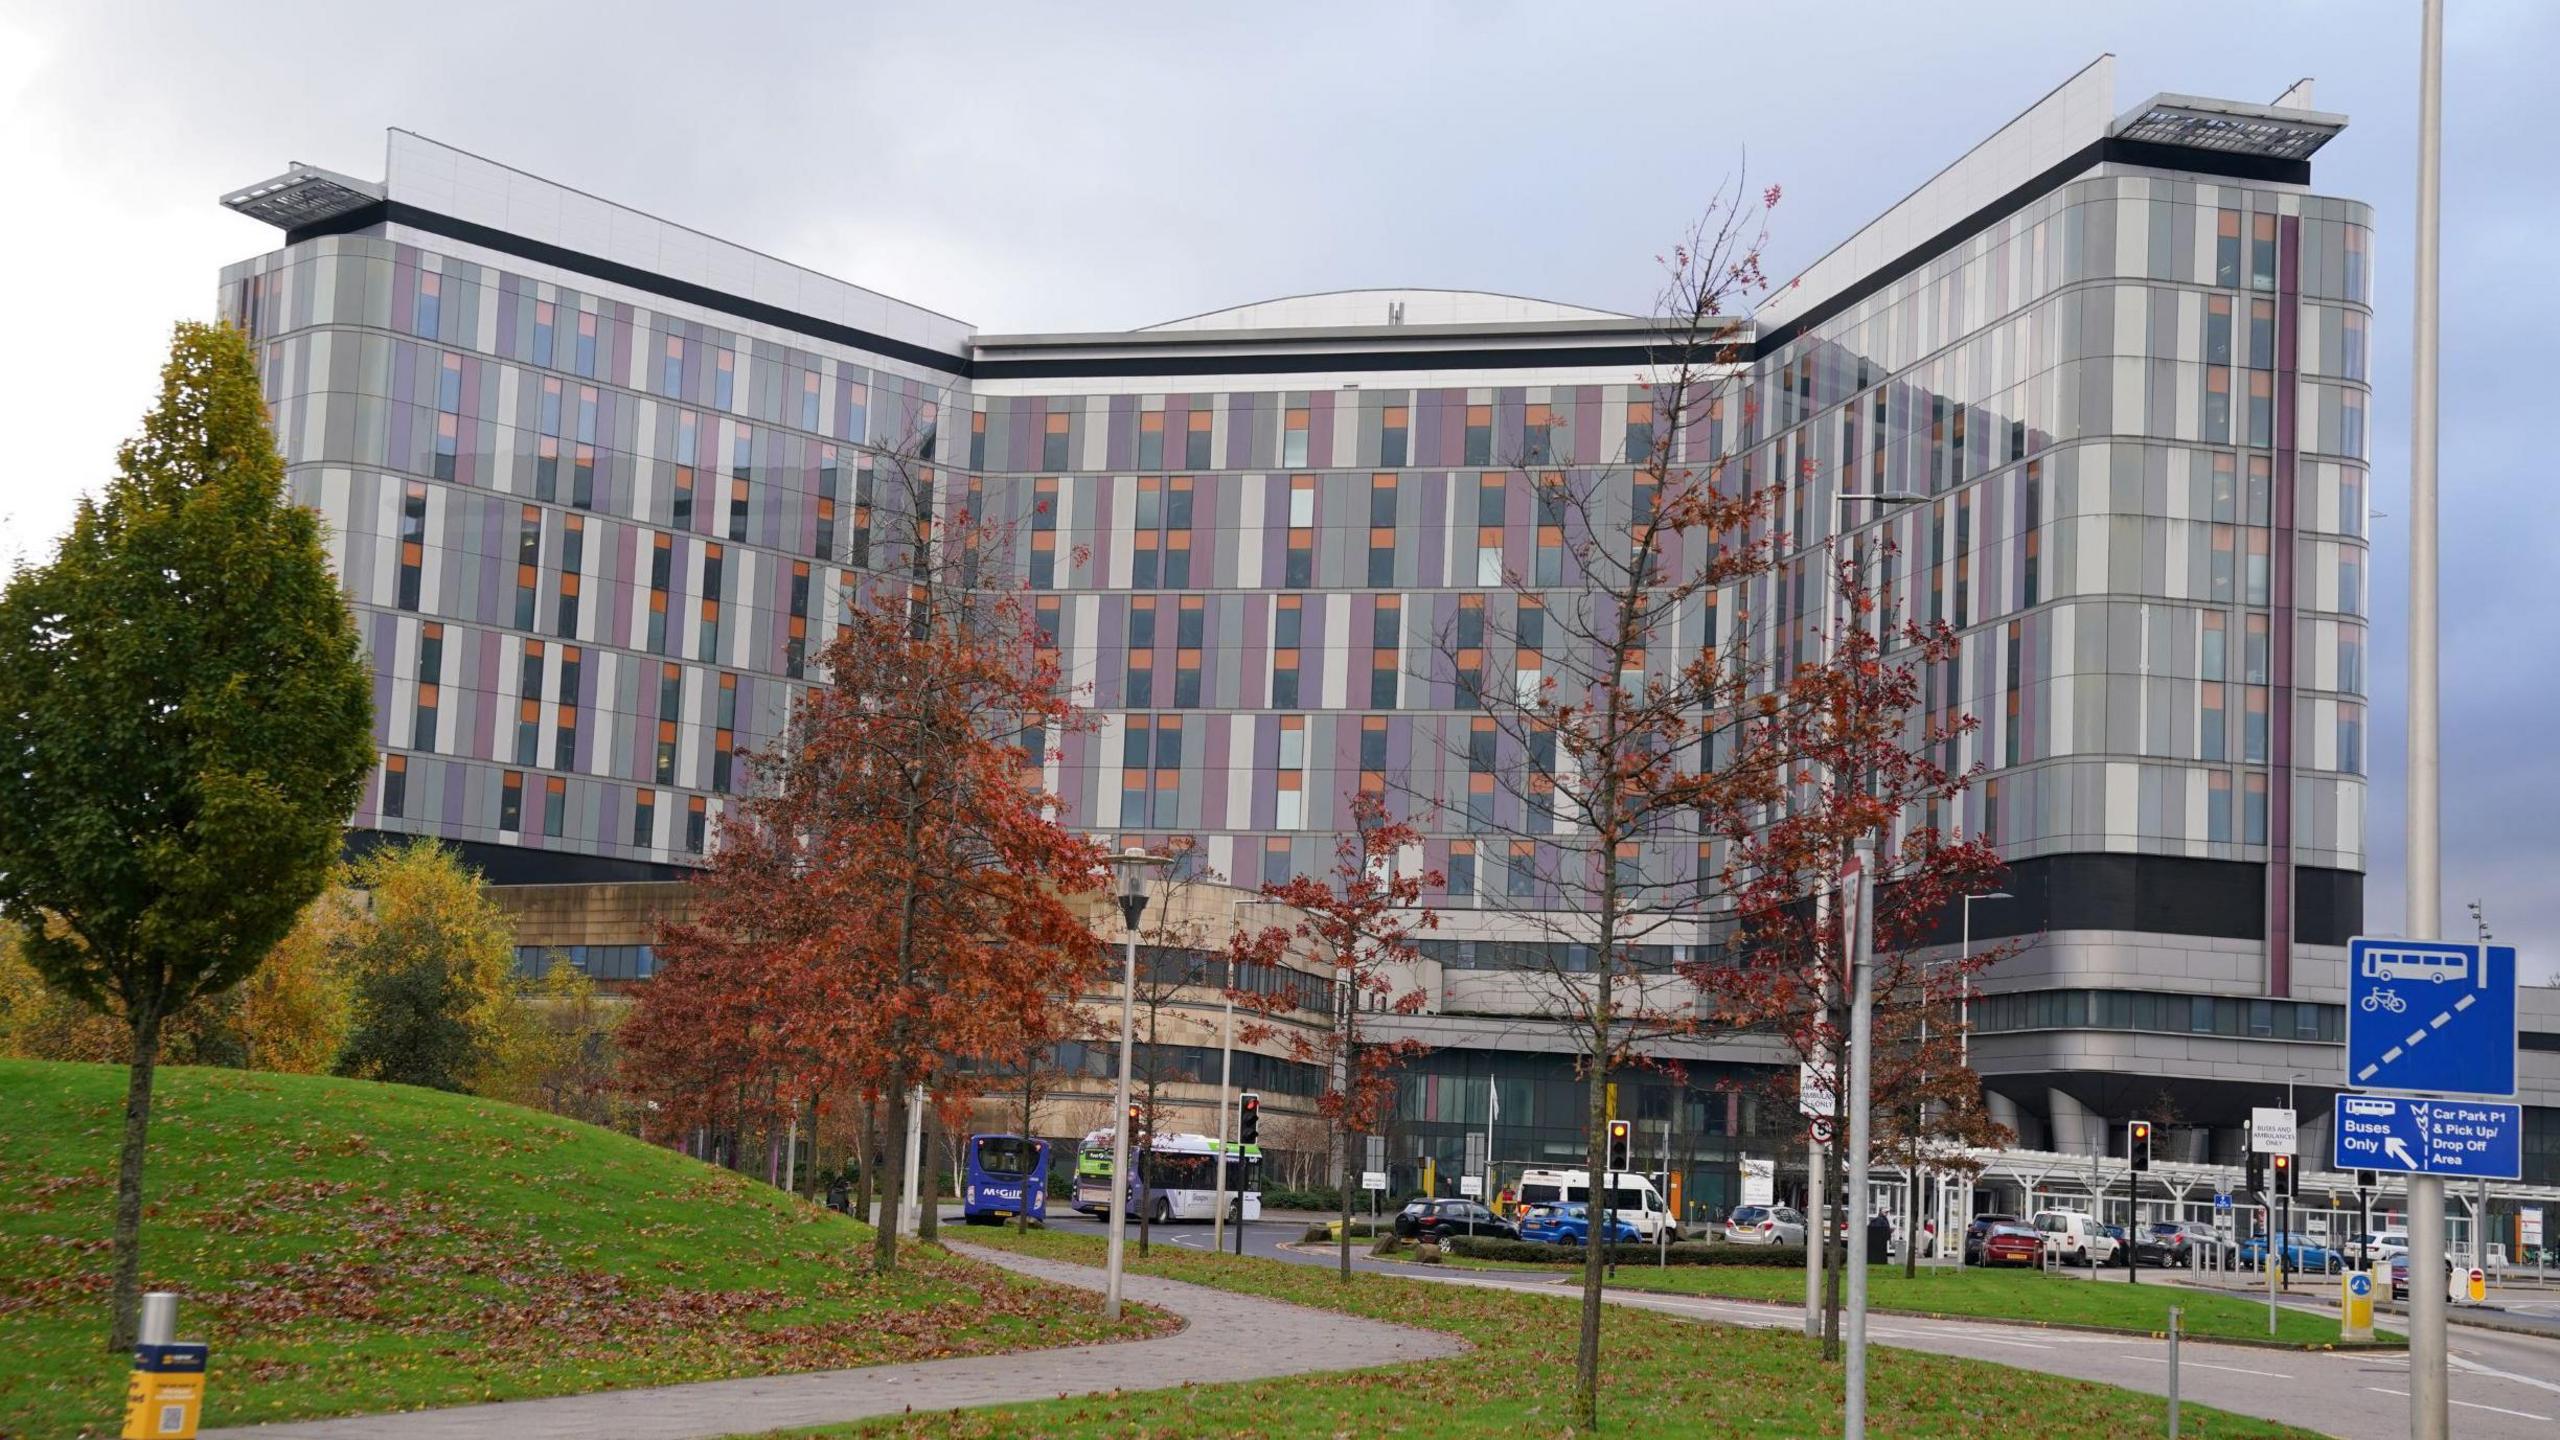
1008,1155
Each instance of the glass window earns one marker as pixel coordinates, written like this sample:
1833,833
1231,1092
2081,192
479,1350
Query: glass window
2226,249
2262,334
1392,433
2253,827
2217,330
2262,252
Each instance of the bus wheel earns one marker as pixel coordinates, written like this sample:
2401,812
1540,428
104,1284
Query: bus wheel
1164,1211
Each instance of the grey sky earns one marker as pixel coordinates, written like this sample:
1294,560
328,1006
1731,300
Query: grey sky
1042,167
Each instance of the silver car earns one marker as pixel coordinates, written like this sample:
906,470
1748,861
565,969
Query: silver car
1764,1225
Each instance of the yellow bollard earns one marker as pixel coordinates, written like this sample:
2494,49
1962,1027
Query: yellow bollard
2355,1305
164,1396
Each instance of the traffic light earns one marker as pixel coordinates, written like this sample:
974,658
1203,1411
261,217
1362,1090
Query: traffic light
1621,1144
1248,1118
2137,1143
2257,1172
1137,1126
2287,1183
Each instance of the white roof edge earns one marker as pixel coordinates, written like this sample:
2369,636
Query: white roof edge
2060,122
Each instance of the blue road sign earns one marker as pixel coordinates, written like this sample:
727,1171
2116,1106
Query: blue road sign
2359,1284
2473,1139
2432,1017
2221,1200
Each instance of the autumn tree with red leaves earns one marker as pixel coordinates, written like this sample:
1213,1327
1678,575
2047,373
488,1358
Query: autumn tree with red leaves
1362,916
894,897
1868,759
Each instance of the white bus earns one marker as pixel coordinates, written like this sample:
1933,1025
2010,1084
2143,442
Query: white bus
1631,1195
1181,1175
2436,965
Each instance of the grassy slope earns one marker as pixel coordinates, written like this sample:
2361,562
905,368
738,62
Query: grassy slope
2108,1302
1662,1377
347,1246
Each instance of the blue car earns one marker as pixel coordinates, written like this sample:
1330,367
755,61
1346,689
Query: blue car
2297,1252
1570,1224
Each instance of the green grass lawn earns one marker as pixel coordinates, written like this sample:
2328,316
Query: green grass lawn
347,1247
1663,1377
2107,1302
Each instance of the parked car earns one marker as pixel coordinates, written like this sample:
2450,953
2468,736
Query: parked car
2005,1242
1982,1226
1434,1219
2383,1245
2400,1272
2299,1253
2176,1243
1764,1225
2074,1238
1570,1224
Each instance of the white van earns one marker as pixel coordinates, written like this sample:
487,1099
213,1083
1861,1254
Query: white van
1631,1195
2072,1238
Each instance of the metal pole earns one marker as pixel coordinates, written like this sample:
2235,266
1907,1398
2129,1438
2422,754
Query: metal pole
1861,1075
2428,1391
2175,1313
1120,1121
159,1319
911,1219
1226,1107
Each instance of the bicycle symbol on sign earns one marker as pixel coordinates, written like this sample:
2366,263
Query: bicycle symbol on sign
2384,1000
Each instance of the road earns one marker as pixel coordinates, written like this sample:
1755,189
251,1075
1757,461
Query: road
2504,1386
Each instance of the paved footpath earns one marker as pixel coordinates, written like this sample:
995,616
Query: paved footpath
1225,1337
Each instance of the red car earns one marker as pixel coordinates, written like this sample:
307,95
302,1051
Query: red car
2012,1245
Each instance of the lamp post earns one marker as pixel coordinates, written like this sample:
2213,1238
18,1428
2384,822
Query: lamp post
1860,943
1226,1108
1133,872
1964,1036
1814,1156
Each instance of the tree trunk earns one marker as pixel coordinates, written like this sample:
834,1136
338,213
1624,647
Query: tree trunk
1911,1226
929,1181
1342,1193
1595,1239
866,1135
1835,1235
892,1190
809,1183
137,1129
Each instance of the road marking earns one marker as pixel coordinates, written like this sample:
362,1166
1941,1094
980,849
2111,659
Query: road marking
2415,1036
2185,1364
2474,1367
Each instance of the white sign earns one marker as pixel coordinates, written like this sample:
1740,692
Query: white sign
2531,1215
1373,1179
1759,1181
2271,1132
2316,1225
1814,1092
1471,1185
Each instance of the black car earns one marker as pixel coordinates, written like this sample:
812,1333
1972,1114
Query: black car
1434,1219
1980,1227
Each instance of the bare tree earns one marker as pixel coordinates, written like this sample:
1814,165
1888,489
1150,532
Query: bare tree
1606,678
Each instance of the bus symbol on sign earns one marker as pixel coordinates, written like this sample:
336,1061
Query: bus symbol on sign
2420,963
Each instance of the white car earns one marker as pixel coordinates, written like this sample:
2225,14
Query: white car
2386,1245
1764,1225
2072,1238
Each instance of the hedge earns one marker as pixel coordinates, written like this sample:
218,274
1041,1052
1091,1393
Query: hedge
1315,1197
1687,1252
1321,1233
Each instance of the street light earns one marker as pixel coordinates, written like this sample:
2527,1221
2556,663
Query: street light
1964,1027
1133,873
1853,1415
1814,1158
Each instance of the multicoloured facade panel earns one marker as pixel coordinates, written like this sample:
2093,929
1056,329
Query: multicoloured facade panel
598,487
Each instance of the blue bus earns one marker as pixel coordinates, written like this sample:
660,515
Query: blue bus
1006,1174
